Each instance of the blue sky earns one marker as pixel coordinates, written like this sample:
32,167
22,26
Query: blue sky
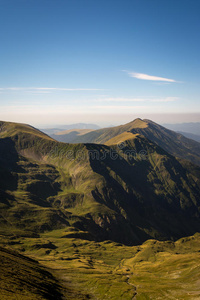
104,62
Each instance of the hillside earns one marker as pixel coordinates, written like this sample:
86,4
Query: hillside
154,270
24,278
174,143
98,217
101,136
95,191
10,129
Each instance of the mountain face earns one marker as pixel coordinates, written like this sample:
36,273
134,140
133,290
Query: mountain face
174,143
128,190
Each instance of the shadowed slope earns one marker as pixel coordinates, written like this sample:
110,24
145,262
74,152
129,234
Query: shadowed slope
24,278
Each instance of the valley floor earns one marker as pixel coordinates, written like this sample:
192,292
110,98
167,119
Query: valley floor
108,270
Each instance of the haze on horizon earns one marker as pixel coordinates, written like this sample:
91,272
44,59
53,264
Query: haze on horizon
102,62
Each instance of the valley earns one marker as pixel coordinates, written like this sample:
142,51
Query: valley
82,212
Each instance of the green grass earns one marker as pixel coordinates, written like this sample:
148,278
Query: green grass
23,278
108,270
47,190
54,208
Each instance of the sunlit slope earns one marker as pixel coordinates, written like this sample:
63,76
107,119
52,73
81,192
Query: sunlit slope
174,143
101,136
153,270
121,138
166,270
10,129
127,192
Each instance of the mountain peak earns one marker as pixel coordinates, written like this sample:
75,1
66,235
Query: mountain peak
138,123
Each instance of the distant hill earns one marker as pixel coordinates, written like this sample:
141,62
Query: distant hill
193,128
68,136
194,137
127,191
174,143
60,128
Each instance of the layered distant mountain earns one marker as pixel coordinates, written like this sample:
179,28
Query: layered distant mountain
174,143
68,136
128,188
189,135
61,128
191,127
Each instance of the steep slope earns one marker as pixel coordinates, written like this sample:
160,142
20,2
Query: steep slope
150,187
101,136
174,143
126,192
24,278
10,129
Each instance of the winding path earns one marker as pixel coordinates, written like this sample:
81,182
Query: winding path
135,289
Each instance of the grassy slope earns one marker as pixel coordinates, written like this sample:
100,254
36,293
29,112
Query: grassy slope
107,270
121,138
95,198
154,270
46,187
23,278
166,270
101,136
167,194
9,129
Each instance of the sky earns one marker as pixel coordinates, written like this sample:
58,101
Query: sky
99,61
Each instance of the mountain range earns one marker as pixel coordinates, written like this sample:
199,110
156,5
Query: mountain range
189,135
59,128
192,127
97,190
99,218
174,143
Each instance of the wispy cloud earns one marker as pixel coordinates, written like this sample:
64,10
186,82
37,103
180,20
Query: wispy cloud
113,99
148,77
167,99
47,89
119,107
118,99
